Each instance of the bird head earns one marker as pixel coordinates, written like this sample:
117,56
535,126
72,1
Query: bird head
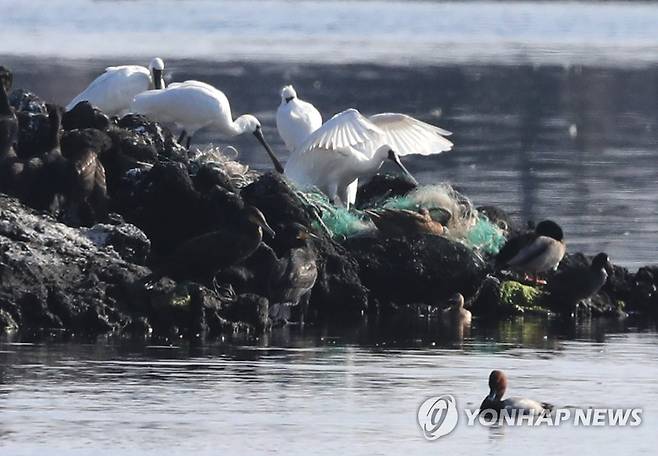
6,78
288,93
255,216
457,300
497,385
157,66
393,156
549,229
247,123
296,235
601,261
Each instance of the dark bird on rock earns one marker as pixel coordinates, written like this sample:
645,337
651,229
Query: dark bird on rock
569,287
44,175
85,186
293,275
10,167
535,252
404,222
202,256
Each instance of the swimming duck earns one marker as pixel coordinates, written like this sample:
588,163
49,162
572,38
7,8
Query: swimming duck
202,256
456,314
576,284
494,401
534,252
403,222
293,275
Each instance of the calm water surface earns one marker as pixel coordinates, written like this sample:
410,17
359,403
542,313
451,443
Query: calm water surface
321,392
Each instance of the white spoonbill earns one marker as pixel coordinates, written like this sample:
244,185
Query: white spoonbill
113,91
349,146
193,105
295,119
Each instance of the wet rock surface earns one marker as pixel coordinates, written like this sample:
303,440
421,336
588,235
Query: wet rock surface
416,270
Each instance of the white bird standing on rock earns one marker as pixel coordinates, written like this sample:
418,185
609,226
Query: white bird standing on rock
193,105
295,119
349,146
113,91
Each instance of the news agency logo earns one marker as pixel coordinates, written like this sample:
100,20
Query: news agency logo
438,416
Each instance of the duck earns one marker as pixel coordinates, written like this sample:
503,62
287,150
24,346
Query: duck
202,256
494,401
193,105
293,275
456,314
296,119
114,91
350,146
44,174
83,175
569,287
534,252
404,222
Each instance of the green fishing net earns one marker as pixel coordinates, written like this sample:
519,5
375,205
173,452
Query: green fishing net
466,225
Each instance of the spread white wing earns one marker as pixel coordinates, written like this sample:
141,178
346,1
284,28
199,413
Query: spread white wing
343,131
406,135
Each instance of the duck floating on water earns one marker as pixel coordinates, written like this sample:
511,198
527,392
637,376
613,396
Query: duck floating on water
404,222
494,401
456,314
535,252
113,91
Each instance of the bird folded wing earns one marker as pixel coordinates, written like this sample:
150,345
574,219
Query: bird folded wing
406,135
531,252
344,130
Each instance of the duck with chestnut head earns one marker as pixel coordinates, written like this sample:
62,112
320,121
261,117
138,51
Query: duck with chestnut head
494,400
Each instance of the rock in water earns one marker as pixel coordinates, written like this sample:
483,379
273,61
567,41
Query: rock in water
155,134
127,240
53,276
26,101
424,269
84,115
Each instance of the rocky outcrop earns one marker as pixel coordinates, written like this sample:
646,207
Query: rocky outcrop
155,198
415,270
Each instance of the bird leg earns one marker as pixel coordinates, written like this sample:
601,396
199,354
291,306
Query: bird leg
533,279
182,137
